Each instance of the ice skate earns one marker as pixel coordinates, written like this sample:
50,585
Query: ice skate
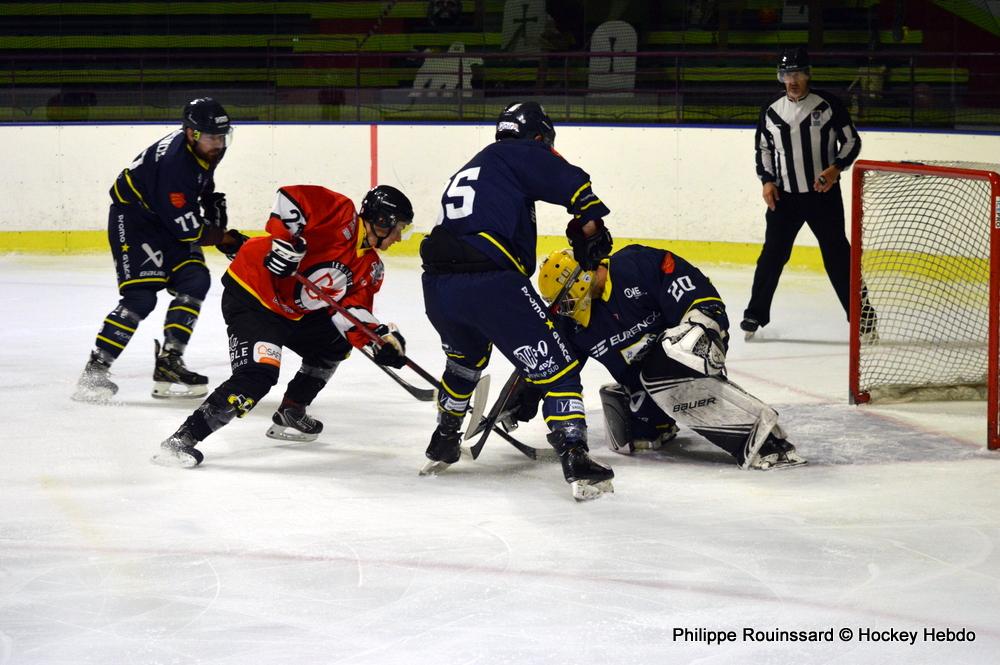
179,451
171,378
587,479
94,384
444,450
776,454
669,434
868,330
292,423
749,327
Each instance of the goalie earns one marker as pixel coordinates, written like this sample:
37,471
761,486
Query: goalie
659,326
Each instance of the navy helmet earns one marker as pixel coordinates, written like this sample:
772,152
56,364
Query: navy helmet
385,207
793,60
207,116
525,120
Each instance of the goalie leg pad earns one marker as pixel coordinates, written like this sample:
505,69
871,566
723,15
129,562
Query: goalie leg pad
719,410
615,401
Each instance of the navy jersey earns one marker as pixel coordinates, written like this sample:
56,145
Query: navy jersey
647,291
490,202
167,180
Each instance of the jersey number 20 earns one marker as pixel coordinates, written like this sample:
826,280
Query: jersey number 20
465,193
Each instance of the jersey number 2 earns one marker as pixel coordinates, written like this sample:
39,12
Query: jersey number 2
465,193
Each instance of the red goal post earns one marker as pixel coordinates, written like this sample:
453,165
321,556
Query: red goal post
925,284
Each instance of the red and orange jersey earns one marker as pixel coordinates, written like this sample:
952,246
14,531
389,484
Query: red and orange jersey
336,258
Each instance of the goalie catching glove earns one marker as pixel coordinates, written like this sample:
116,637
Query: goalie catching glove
392,351
285,256
697,342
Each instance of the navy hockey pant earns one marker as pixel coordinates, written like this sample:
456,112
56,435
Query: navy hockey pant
472,312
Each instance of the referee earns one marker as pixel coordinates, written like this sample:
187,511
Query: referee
804,139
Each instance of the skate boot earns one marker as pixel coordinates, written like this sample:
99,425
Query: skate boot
587,478
868,330
172,378
776,453
292,423
179,450
749,327
656,442
94,384
445,447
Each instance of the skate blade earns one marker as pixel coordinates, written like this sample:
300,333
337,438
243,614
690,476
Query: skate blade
434,468
170,390
587,490
748,335
88,396
282,433
177,460
769,464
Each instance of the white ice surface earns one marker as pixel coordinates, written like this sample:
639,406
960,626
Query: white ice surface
337,552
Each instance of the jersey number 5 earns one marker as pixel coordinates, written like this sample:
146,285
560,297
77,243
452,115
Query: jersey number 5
465,193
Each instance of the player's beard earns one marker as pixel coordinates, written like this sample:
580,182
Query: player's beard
210,156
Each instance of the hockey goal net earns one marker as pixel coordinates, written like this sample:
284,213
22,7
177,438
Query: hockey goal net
925,277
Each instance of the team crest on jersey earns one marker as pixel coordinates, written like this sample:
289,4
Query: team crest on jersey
177,199
378,272
334,278
288,212
668,265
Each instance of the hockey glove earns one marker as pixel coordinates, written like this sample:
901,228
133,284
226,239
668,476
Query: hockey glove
392,352
214,207
284,257
589,250
231,243
697,343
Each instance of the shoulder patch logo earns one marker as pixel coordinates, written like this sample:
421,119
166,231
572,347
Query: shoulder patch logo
178,199
668,265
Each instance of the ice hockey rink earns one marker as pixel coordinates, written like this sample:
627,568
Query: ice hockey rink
337,552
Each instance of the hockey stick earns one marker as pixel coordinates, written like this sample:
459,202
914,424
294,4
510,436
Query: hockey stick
416,392
363,328
489,423
422,394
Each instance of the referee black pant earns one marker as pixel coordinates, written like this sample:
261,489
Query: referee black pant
824,213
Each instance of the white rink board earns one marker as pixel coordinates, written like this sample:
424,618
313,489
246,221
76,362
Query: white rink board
684,183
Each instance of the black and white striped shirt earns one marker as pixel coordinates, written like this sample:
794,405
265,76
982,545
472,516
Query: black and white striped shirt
796,141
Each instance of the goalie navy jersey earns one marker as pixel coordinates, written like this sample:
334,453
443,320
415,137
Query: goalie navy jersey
490,202
166,181
647,291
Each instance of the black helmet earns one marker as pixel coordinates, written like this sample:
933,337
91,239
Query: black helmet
206,115
793,60
525,120
385,207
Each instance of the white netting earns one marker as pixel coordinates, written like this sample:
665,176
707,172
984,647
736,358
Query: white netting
925,242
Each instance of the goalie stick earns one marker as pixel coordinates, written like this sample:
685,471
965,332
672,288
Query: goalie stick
497,413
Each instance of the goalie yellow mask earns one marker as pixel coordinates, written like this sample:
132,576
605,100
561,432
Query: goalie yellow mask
553,274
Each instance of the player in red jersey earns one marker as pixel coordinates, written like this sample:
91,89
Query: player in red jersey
315,232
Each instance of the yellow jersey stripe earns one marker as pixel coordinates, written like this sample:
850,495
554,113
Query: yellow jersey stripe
517,264
578,192
143,281
111,342
131,186
580,395
117,193
701,300
184,263
577,416
557,376
178,326
184,309
594,202
453,393
118,325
